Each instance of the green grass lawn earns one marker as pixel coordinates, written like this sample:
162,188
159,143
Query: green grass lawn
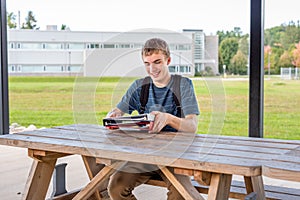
53,101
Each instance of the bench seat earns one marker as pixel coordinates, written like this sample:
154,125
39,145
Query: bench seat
238,190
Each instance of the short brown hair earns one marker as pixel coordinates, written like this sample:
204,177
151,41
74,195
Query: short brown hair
156,45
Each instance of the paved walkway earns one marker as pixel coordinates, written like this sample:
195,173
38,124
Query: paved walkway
15,165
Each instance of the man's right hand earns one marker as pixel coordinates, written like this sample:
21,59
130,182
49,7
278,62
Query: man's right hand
116,112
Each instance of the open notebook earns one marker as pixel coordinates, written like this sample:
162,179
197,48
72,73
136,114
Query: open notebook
141,122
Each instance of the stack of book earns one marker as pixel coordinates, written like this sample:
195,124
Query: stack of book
140,122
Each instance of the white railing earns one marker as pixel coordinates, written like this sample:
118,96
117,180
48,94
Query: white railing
289,73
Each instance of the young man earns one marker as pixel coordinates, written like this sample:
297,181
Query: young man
161,103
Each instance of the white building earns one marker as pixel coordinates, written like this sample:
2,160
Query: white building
52,52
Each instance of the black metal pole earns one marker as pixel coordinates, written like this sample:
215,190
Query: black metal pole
256,82
4,114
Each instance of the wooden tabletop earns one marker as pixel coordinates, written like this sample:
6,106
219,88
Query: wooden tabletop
211,159
284,166
233,155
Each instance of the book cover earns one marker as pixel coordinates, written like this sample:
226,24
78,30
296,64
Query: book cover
141,121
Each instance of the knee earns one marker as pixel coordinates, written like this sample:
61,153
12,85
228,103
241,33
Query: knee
118,186
114,187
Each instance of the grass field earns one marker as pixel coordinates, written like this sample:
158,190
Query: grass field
53,101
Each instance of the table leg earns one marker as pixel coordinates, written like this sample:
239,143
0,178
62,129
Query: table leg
39,179
187,190
92,169
255,184
87,191
219,186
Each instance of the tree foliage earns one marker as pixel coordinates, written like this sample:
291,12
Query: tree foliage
11,20
282,39
30,22
238,64
230,42
235,33
228,48
296,55
285,60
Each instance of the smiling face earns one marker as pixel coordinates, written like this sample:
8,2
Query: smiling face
157,68
156,57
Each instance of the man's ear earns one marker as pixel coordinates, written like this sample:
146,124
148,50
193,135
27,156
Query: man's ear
169,60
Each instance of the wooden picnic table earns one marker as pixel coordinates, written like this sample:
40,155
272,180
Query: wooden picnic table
285,166
210,159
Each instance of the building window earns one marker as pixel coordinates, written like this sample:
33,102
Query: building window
93,46
109,46
53,68
73,68
172,69
173,47
32,68
124,45
11,68
53,46
30,46
137,46
11,45
184,47
76,46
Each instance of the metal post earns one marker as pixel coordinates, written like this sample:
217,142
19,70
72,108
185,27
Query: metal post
256,97
59,180
4,116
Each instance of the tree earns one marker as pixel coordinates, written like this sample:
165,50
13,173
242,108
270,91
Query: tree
290,36
228,48
238,64
11,20
235,33
285,60
272,36
267,55
275,57
63,27
244,45
296,55
30,22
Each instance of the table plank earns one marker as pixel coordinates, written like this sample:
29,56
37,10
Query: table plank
285,166
166,157
237,150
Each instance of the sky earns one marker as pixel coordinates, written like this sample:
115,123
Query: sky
174,15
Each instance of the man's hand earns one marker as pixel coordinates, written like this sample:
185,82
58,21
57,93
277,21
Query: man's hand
187,124
116,112
160,121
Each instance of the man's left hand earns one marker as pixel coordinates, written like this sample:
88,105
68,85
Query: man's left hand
160,121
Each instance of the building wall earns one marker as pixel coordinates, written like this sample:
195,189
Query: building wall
125,62
97,53
211,53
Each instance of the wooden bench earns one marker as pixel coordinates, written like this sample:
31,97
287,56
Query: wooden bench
237,191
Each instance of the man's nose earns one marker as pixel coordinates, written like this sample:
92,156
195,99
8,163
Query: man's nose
152,68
